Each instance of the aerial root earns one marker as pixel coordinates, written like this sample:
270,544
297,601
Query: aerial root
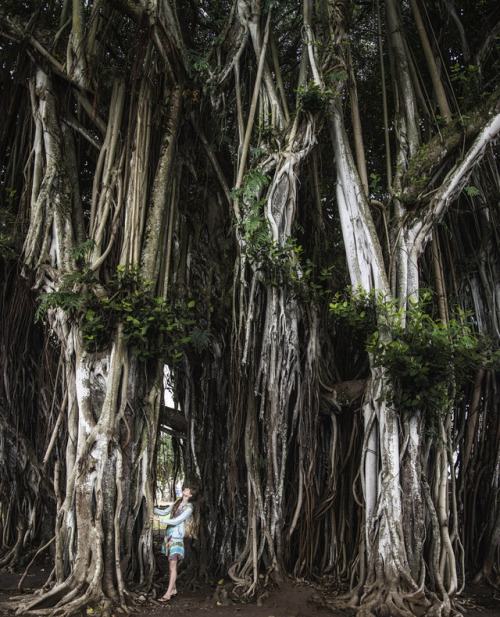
396,605
40,550
441,608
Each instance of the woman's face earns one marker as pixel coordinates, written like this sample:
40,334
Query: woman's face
186,492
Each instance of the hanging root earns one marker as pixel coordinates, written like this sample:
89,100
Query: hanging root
40,550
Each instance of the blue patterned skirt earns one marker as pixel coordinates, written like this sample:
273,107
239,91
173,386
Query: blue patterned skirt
176,550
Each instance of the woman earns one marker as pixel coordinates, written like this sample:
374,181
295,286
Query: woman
175,517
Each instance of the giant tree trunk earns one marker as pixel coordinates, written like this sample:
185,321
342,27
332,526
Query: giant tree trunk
103,539
395,528
102,535
272,327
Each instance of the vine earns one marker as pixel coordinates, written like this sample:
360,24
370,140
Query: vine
283,262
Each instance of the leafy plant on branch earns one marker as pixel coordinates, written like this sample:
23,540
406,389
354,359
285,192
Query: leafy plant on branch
152,327
254,226
314,99
425,359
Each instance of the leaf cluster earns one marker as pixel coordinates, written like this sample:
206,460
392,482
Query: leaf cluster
153,328
314,99
254,227
253,182
426,360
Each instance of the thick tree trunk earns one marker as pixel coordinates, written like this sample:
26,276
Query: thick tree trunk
103,536
390,566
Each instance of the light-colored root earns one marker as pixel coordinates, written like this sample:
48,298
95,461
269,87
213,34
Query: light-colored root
379,602
396,605
40,550
35,602
67,601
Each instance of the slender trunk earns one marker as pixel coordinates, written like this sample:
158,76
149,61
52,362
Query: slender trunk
441,98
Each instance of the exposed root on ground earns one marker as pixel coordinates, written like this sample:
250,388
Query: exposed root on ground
70,597
383,602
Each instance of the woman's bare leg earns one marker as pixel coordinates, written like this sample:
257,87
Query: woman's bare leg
172,578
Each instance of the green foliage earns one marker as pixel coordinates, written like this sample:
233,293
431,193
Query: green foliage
467,79
419,163
82,250
357,308
463,74
313,98
198,66
311,282
256,152
282,264
66,299
200,339
471,191
426,360
266,132
254,226
199,70
253,183
152,327
375,182
336,75
11,196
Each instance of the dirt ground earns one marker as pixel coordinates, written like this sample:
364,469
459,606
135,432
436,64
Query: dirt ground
293,599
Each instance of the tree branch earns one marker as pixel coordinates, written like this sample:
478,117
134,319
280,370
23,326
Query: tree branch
453,184
423,167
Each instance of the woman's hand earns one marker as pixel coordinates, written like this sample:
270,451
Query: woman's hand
153,517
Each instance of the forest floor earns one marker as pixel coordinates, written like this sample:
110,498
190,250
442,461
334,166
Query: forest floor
292,599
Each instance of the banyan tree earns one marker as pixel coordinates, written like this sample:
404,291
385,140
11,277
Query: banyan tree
294,207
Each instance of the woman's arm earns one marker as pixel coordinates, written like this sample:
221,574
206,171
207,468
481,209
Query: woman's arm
188,510
164,511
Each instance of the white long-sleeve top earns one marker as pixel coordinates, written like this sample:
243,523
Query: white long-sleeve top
178,523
